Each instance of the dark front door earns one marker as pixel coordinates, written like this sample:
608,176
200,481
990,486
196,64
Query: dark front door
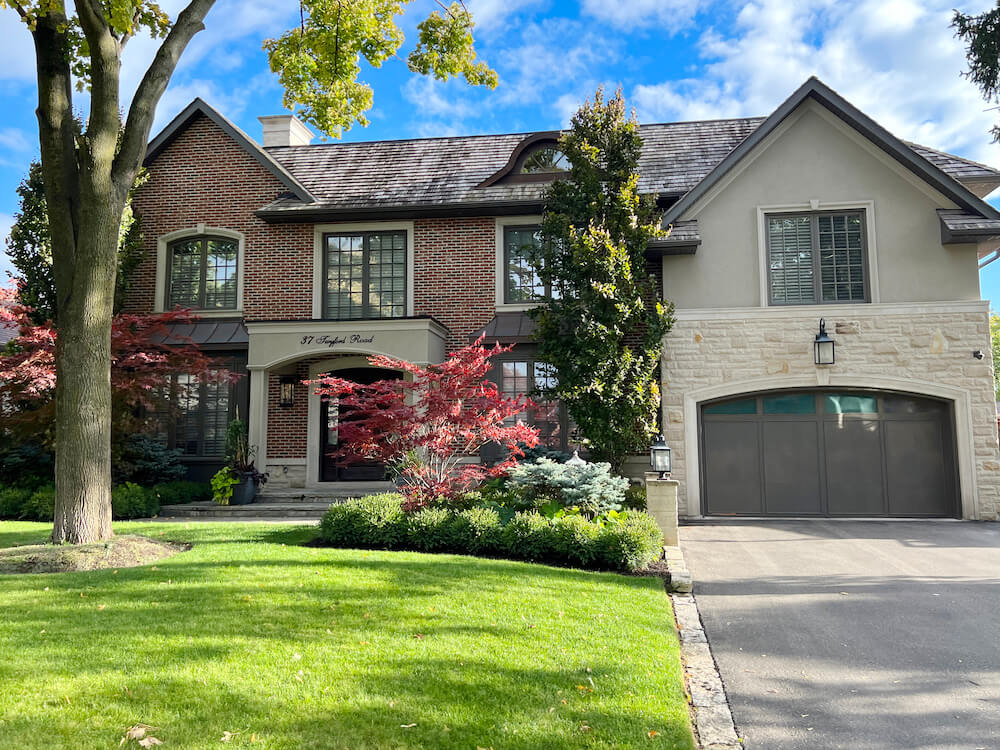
335,469
828,453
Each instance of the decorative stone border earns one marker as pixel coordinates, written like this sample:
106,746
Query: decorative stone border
711,716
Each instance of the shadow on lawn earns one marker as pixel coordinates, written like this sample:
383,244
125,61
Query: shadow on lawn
439,670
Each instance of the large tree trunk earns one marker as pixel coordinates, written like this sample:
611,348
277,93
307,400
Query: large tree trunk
87,176
83,372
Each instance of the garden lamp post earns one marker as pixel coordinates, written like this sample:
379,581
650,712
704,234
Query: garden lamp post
659,457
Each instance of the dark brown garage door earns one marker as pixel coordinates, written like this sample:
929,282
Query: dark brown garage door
828,453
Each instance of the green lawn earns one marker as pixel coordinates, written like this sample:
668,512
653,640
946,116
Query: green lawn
302,647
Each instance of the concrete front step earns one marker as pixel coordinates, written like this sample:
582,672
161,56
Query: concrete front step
329,494
304,510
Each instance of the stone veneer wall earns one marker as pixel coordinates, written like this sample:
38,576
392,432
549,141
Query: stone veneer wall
933,345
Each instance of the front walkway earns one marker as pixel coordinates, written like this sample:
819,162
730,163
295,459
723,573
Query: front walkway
854,634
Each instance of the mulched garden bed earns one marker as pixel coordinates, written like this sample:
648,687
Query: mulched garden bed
119,552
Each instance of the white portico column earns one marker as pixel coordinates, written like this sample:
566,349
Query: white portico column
258,415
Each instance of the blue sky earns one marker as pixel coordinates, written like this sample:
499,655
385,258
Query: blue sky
675,59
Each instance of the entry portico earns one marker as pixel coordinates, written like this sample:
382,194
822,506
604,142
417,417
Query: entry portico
288,435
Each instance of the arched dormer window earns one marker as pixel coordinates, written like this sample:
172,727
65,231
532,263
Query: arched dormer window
537,158
544,159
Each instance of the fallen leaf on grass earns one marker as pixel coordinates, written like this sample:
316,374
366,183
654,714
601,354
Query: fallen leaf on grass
652,733
228,736
138,732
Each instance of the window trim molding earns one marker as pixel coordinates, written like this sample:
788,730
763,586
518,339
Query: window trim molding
163,243
816,206
319,276
500,283
530,356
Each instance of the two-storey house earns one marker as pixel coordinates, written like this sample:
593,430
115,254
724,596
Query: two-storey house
305,259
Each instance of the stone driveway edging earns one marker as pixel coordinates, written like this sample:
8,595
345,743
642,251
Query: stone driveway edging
678,576
712,717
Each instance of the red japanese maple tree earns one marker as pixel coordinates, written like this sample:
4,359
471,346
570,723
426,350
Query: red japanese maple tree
145,354
429,425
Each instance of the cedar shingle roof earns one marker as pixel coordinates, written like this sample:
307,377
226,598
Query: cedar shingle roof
448,170
443,171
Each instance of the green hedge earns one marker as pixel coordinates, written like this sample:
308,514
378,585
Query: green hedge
26,504
127,500
628,542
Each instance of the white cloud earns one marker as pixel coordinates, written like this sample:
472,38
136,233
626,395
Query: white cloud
492,15
14,139
437,98
669,15
17,53
898,61
552,56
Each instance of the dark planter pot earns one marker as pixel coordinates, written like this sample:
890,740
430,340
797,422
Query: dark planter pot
244,492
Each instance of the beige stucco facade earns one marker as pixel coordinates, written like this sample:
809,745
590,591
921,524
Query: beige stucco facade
813,161
917,334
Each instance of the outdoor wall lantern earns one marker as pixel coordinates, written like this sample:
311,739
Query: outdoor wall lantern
823,347
659,457
286,394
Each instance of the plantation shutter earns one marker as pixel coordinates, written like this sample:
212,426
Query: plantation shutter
790,257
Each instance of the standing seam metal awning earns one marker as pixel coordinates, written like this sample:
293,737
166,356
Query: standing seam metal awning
507,328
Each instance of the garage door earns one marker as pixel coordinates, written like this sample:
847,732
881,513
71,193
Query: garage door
828,453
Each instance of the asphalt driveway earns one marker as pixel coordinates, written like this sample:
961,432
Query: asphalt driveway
854,634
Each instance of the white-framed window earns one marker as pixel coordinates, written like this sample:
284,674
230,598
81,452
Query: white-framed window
200,268
817,253
517,284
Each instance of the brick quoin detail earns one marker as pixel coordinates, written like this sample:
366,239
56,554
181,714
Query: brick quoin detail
203,177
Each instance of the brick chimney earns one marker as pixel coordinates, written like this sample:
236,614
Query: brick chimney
284,130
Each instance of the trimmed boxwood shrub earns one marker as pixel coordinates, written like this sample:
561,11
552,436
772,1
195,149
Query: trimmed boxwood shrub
479,531
373,521
131,500
625,541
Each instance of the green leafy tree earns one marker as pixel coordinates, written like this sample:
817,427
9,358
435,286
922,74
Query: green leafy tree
89,168
602,332
981,34
30,250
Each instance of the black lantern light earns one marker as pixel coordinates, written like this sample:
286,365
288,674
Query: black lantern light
823,346
659,457
286,395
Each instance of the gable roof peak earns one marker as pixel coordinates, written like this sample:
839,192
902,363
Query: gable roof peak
813,88
200,108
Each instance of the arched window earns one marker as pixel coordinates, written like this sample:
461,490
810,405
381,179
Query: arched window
202,273
544,159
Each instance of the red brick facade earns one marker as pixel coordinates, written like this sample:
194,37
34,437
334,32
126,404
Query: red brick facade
454,273
288,427
204,177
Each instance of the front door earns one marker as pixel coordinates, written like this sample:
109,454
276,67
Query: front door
336,469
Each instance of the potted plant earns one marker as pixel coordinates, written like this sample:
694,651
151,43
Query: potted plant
237,482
